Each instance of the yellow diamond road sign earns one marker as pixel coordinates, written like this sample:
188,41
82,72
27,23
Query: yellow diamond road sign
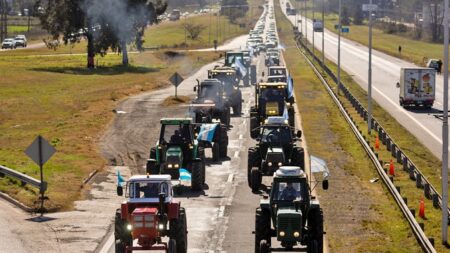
176,79
40,151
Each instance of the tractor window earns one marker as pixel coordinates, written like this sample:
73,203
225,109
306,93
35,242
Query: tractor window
176,134
148,189
276,135
287,191
277,72
210,91
272,94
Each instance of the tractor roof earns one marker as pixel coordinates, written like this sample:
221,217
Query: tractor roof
211,82
176,121
289,171
277,67
150,178
276,121
224,69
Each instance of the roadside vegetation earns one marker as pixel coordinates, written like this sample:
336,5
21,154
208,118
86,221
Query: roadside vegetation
71,106
358,214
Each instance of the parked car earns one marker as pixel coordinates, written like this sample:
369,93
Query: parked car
8,43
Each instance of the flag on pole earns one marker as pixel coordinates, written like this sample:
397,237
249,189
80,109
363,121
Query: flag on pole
207,132
290,87
241,67
185,175
120,179
285,114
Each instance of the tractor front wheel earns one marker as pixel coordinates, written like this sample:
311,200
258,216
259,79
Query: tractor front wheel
216,152
178,229
264,247
298,157
256,179
252,161
197,176
172,248
254,124
121,237
315,223
223,142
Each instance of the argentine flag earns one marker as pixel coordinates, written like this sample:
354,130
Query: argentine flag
241,67
285,114
185,175
207,132
120,180
290,88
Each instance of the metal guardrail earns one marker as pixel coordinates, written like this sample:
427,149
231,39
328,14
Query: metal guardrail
25,179
415,173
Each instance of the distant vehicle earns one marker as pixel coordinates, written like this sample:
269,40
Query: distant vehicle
175,15
291,11
20,41
8,43
318,26
434,64
417,87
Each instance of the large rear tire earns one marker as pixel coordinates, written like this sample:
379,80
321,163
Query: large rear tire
264,247
172,247
223,142
197,176
298,157
315,223
178,232
216,152
253,160
262,228
256,179
254,124
121,237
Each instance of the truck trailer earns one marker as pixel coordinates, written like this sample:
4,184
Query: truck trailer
417,87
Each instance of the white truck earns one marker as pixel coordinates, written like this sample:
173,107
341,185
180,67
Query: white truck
317,26
417,87
175,15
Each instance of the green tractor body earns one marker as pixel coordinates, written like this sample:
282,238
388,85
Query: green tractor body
277,146
178,149
290,214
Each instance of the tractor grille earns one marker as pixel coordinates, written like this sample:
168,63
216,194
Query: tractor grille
289,222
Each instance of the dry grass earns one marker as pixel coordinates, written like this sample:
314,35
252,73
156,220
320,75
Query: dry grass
172,100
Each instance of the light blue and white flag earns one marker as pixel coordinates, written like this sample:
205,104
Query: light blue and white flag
185,175
207,132
290,86
120,179
241,67
285,114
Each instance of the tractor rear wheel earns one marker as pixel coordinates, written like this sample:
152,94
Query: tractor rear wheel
178,232
172,248
216,152
254,123
264,247
197,176
313,247
262,228
253,160
298,157
223,142
256,179
315,223
291,114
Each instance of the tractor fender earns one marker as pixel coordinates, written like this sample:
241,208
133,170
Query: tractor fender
264,204
314,204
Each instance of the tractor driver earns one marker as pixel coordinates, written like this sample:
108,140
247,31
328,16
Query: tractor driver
289,193
176,137
150,190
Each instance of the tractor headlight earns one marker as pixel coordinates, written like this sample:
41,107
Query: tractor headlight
296,234
190,145
177,166
169,166
280,164
269,163
161,226
282,233
129,227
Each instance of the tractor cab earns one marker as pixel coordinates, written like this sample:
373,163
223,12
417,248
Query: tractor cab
271,98
232,57
148,215
232,93
277,71
177,149
290,214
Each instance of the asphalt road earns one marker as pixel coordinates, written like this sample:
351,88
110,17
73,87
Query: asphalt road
386,73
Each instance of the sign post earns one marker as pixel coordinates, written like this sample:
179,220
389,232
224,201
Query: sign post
40,152
176,79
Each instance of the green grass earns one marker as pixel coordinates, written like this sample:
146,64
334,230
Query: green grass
18,29
57,97
328,136
172,34
412,50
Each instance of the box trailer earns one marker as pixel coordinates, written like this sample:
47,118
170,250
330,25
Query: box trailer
417,87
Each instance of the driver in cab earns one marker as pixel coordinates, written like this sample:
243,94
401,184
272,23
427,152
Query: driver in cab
289,193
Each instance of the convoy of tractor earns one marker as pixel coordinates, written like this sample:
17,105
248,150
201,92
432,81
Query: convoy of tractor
152,219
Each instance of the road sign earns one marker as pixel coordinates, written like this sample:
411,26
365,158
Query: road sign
176,79
370,7
40,151
345,29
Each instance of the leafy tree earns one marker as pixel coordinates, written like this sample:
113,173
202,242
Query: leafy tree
345,18
358,16
234,9
106,24
194,30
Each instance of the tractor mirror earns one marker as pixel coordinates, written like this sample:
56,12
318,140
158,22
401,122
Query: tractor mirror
119,190
398,85
299,134
325,184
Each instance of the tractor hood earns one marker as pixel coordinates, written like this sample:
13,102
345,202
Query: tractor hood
174,156
289,224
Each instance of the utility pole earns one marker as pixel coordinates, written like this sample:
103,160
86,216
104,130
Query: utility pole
209,32
313,32
306,24
323,32
445,132
339,48
369,93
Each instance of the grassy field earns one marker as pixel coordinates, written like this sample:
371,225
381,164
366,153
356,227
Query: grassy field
172,34
57,97
412,50
329,137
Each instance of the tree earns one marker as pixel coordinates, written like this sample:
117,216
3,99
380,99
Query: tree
358,16
194,30
345,19
106,24
234,9
436,18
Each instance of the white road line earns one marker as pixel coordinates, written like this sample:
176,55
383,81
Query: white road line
236,154
221,211
107,244
240,137
230,178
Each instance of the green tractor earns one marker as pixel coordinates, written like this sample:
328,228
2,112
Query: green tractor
277,146
271,100
290,214
177,148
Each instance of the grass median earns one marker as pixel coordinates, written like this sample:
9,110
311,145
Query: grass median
71,106
358,214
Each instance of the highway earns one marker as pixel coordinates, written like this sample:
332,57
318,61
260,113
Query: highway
386,73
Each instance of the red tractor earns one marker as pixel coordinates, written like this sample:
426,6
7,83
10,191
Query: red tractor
149,214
